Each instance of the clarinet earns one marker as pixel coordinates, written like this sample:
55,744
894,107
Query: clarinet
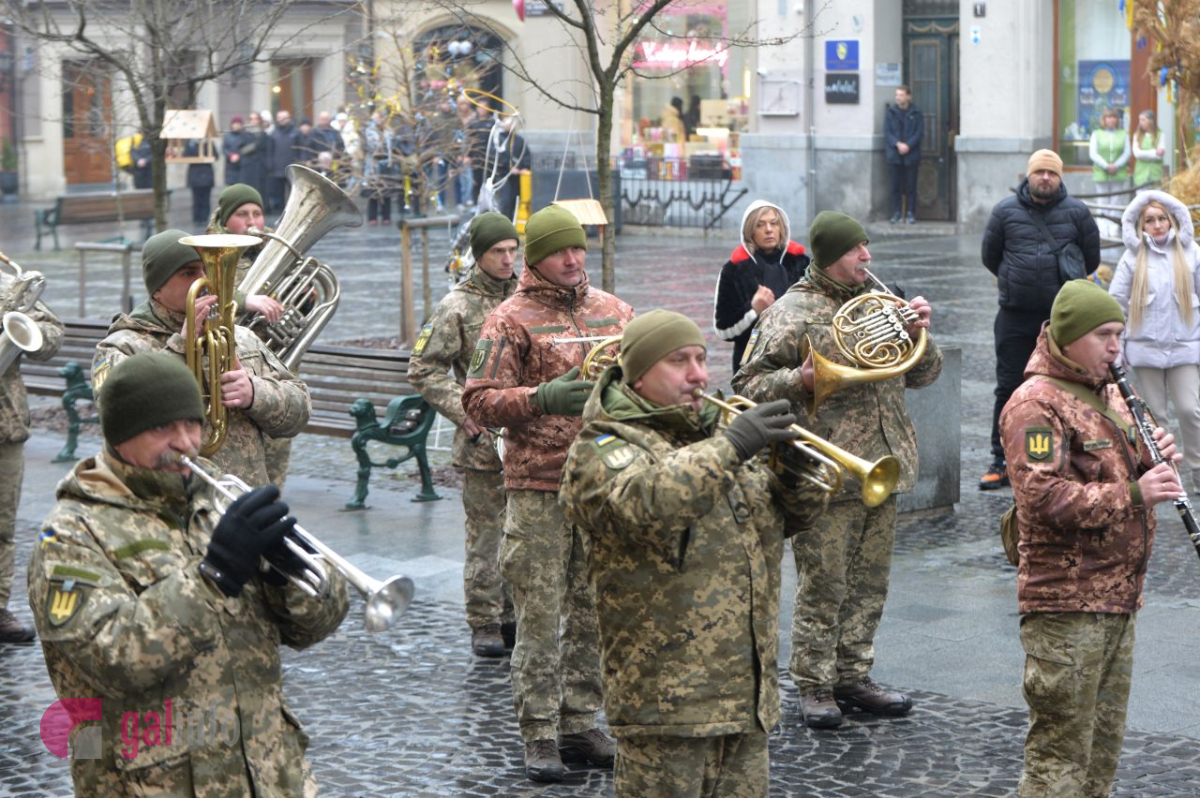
1146,433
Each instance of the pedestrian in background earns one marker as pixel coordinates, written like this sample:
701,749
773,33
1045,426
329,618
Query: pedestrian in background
200,179
1025,264
1108,149
1148,149
1157,285
281,155
254,152
903,127
232,145
1085,493
143,170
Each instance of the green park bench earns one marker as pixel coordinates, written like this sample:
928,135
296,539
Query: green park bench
95,208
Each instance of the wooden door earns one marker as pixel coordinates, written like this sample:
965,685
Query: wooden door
292,87
87,120
931,66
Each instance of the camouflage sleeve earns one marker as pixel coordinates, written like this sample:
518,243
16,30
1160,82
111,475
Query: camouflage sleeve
1037,447
771,368
281,405
124,641
612,487
438,348
495,394
928,368
304,620
802,503
52,332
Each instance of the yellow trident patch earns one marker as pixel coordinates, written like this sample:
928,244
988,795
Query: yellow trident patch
422,339
1039,443
64,601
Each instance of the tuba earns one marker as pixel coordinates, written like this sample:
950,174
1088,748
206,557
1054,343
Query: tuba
307,288
870,331
20,333
209,342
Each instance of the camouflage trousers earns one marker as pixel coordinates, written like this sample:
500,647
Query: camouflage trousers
277,452
1077,673
843,563
488,600
556,662
735,765
12,470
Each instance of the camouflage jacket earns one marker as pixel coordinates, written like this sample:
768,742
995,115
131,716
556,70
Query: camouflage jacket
868,419
124,615
1085,536
446,345
281,404
686,544
516,354
14,409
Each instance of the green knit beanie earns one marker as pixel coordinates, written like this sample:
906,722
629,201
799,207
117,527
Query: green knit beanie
162,256
832,235
651,337
488,230
145,391
234,197
549,230
1080,307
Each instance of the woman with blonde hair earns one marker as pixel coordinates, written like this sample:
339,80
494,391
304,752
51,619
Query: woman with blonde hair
1157,284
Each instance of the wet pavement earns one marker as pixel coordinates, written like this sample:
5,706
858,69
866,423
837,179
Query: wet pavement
411,712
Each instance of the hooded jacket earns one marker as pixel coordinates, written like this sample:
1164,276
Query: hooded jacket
747,269
516,353
124,615
686,542
1016,251
1163,340
1085,536
442,356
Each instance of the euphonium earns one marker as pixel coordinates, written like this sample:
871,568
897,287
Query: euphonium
386,601
307,288
871,331
214,342
19,333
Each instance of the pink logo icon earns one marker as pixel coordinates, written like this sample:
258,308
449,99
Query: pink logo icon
63,716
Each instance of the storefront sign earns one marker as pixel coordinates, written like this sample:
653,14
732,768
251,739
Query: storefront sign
841,89
539,8
841,55
681,53
1102,84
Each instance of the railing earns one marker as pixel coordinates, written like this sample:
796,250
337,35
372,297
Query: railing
124,250
677,192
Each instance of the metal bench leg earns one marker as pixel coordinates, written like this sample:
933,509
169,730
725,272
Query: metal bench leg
427,494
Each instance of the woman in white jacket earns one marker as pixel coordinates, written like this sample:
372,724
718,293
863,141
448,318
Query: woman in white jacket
1157,284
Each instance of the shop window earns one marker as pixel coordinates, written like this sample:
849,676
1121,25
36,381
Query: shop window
1094,49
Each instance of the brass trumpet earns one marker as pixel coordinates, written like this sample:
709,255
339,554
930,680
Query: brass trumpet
827,462
386,601
220,254
870,330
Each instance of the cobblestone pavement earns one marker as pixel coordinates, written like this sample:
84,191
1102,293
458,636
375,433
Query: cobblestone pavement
412,713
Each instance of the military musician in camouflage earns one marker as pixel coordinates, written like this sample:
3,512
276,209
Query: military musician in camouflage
520,379
154,614
1085,490
437,371
845,564
687,534
266,401
14,431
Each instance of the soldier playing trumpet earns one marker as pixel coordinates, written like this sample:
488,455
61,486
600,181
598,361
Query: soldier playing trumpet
844,565
151,601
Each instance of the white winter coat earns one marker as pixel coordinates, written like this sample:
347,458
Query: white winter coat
1163,340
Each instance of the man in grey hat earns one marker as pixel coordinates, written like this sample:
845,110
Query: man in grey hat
263,398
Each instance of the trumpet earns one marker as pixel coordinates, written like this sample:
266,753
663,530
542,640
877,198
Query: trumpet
826,462
19,333
870,330
386,600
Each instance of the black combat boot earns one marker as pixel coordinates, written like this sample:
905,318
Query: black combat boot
592,746
508,630
820,711
542,762
871,697
486,641
12,630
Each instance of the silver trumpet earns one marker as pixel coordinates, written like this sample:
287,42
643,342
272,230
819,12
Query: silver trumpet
386,601
19,333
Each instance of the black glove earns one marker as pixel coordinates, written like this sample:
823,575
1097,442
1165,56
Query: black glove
284,562
761,425
252,524
565,395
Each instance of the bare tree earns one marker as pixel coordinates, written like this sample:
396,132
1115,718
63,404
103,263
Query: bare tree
161,52
605,35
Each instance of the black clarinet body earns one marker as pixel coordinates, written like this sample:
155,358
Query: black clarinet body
1146,432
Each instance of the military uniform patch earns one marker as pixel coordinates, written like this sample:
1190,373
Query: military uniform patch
423,339
750,346
1100,443
1039,443
480,358
65,600
616,453
99,372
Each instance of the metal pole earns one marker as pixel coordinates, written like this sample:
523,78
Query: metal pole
127,297
426,290
82,284
408,330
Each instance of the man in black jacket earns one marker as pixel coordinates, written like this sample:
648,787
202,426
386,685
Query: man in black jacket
1026,267
902,128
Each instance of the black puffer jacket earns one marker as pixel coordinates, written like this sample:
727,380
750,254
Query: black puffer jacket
1015,250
